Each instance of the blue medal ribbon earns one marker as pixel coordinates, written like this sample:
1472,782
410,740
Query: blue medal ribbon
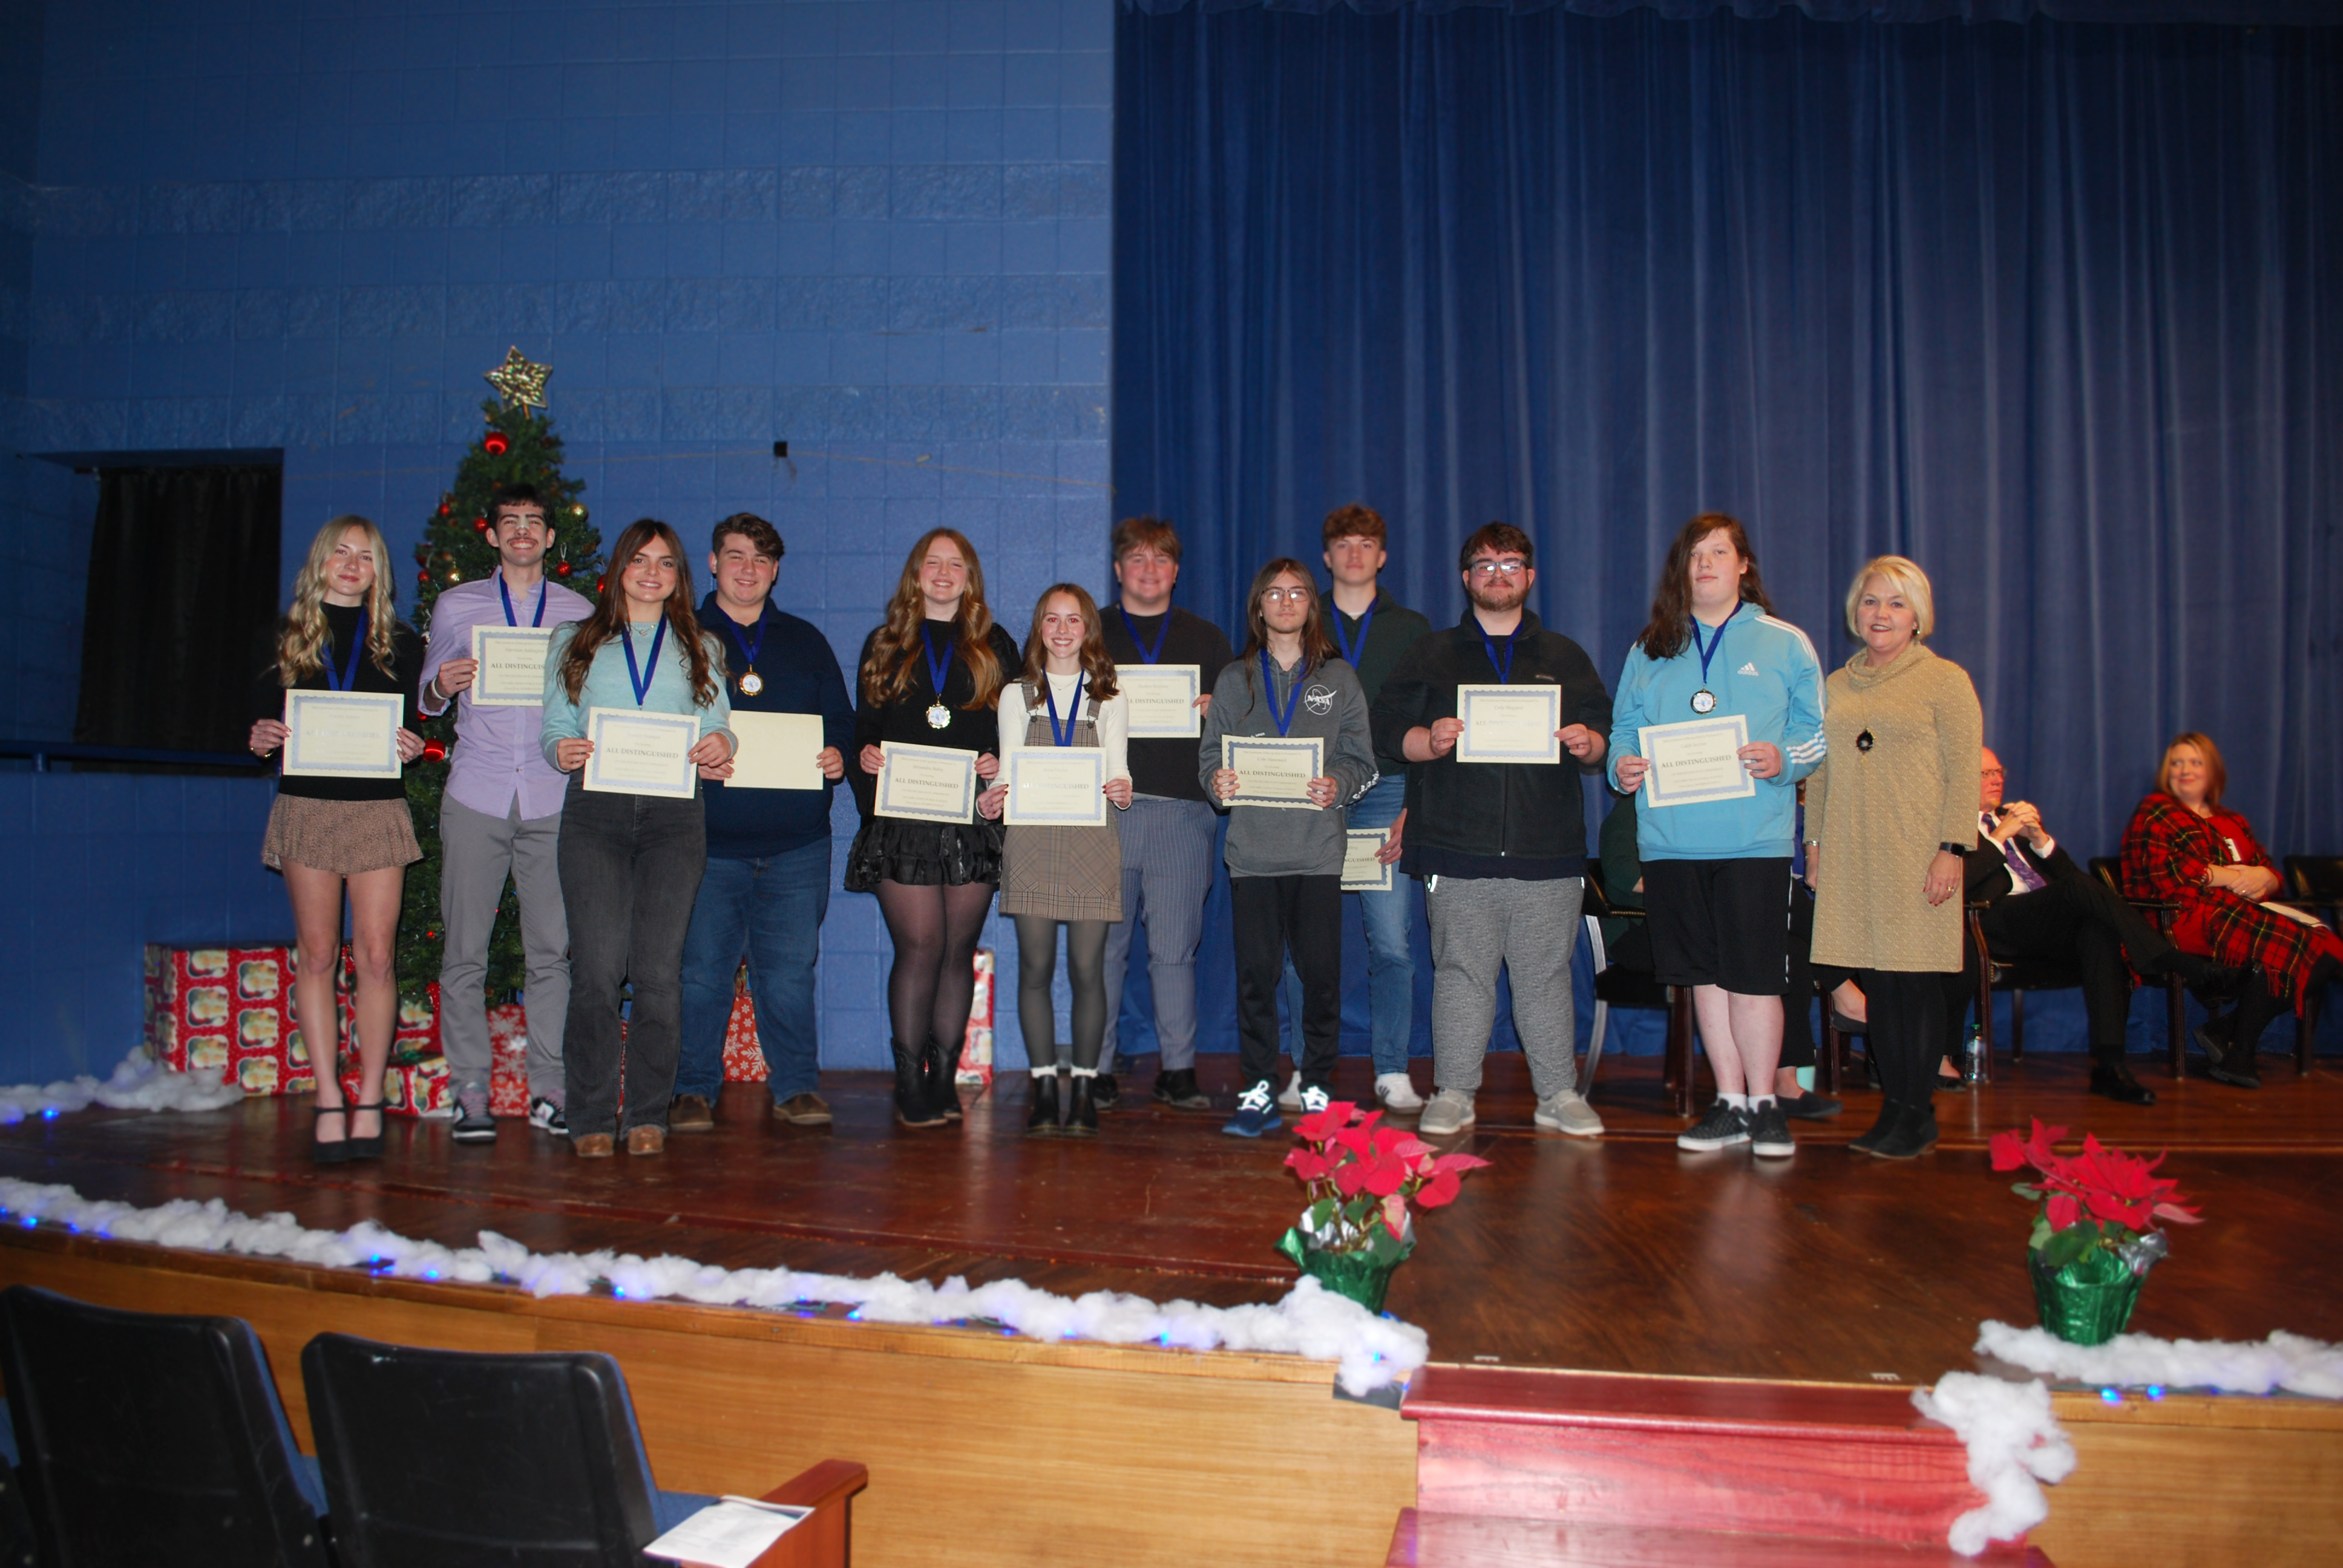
1504,670
749,649
1269,690
937,669
642,683
1073,713
1351,653
505,594
347,678
1146,654
1709,651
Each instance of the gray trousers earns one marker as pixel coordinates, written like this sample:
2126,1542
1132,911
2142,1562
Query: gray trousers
1167,872
1531,930
477,852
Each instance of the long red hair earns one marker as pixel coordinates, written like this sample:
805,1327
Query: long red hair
886,674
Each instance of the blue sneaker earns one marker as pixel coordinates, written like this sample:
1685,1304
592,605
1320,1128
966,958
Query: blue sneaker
1256,1112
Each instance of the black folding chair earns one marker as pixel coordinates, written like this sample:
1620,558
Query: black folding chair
1620,985
144,1438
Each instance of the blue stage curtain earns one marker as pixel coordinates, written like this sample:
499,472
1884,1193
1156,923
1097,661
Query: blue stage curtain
2057,309
2233,13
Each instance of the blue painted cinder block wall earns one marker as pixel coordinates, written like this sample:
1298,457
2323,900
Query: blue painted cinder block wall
877,230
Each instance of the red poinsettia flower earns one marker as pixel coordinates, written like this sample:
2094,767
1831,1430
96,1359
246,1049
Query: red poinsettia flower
2010,1152
1320,1125
1384,1176
1308,1164
2062,1210
1395,1216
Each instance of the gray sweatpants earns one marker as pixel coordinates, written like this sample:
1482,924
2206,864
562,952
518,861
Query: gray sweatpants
1531,928
1167,873
477,852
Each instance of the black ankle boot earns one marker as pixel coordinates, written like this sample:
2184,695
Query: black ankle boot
1042,1118
1913,1134
1890,1113
912,1108
2229,1049
2112,1079
940,1070
1081,1109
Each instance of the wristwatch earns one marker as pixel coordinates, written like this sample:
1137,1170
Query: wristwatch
1949,848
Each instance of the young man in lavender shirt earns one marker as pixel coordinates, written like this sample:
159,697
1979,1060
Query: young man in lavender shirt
501,815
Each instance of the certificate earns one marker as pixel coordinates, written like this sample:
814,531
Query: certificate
1273,770
512,666
926,783
639,753
1162,699
1696,761
777,751
1509,723
1062,787
1362,872
343,734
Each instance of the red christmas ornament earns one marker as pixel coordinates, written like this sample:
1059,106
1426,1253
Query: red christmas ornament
494,444
433,752
561,569
444,509
479,525
598,582
424,577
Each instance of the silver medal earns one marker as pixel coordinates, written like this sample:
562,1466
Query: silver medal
940,716
1703,700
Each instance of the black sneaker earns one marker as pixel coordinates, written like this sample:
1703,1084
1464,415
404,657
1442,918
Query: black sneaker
1769,1132
546,1116
1104,1095
1721,1127
1177,1087
473,1123
1811,1107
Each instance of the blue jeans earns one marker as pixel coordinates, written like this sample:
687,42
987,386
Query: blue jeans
769,911
1391,966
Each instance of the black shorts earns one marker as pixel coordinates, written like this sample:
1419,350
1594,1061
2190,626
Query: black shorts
1720,922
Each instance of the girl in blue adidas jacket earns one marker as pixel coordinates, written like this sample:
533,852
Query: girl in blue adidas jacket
1716,872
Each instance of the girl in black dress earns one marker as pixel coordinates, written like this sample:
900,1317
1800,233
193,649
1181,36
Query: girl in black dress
930,675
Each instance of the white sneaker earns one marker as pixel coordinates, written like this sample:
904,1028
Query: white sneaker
1314,1101
1397,1091
1451,1111
1291,1098
1569,1114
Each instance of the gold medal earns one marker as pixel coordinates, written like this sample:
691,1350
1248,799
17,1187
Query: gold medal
940,716
751,683
1704,701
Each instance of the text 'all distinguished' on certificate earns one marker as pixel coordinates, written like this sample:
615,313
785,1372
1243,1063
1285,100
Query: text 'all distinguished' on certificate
1694,761
1273,770
511,672
1162,699
343,734
926,783
1509,723
641,753
1060,788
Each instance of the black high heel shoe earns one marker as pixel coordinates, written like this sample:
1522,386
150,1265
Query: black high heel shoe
363,1148
322,1152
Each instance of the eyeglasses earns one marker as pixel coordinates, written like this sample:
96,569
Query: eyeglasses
1287,596
1995,773
1498,569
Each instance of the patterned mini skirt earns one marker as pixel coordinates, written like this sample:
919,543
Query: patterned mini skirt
344,837
923,854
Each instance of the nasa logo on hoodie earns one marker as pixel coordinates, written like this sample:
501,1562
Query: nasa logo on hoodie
1320,698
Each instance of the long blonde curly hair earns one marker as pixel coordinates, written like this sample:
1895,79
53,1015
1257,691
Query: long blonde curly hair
301,638
886,675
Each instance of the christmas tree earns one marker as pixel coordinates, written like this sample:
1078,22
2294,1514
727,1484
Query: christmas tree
517,447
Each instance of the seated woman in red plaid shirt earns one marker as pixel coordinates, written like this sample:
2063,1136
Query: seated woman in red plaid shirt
2182,847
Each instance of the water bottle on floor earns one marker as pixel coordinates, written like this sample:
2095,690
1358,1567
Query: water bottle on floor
1973,1055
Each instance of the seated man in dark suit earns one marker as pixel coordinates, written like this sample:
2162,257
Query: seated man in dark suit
2042,905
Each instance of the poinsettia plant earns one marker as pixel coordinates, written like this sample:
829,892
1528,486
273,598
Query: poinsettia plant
1361,1176
2101,1199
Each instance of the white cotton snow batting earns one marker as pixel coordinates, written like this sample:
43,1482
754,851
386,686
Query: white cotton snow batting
137,1084
1370,1352
2014,1444
2284,1361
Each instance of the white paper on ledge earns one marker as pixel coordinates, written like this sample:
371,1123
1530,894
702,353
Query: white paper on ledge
730,1533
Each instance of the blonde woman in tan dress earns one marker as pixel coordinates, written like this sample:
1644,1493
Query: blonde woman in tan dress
1888,818
1068,876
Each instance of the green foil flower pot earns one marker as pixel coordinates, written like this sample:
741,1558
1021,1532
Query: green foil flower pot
2087,1302
1357,1275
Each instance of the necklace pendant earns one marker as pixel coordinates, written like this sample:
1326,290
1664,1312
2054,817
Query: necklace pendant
1703,700
751,683
938,717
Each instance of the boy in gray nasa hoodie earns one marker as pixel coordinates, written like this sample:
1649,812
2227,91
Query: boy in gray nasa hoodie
1285,864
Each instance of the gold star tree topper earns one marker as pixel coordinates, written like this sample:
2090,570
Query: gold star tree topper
517,380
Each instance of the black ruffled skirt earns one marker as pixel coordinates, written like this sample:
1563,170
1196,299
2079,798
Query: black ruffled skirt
923,854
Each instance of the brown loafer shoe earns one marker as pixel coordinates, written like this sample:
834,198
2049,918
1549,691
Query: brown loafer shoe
803,1111
647,1140
594,1146
690,1113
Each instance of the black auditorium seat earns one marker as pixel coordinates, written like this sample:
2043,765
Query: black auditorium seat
146,1438
1620,982
433,1457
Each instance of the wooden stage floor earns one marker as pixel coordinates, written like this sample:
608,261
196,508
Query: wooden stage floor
1618,1255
